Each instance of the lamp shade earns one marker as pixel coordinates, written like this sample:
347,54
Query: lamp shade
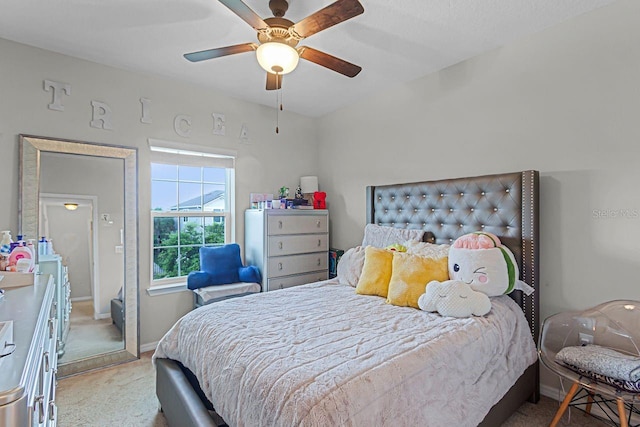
309,184
276,57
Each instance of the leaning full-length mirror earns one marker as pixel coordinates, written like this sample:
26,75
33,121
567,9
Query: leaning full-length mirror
81,198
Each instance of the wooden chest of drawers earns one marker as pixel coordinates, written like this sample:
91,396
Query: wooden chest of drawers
290,247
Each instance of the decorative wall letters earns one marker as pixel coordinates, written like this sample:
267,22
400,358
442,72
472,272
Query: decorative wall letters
146,111
101,116
182,125
57,88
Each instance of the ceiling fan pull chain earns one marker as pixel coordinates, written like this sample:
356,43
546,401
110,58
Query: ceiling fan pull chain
277,101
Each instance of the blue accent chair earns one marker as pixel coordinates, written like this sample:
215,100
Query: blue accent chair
222,274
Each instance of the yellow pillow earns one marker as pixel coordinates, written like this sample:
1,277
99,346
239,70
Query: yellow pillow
376,272
410,276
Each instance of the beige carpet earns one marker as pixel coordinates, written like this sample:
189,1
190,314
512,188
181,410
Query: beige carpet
87,336
124,395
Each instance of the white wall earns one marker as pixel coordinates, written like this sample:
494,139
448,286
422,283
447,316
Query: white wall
263,166
565,102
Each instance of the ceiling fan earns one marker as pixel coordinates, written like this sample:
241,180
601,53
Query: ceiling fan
277,52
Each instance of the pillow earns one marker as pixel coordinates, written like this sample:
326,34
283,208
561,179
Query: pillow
382,236
376,272
410,275
350,266
428,250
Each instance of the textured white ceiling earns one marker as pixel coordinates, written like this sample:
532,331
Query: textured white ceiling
393,41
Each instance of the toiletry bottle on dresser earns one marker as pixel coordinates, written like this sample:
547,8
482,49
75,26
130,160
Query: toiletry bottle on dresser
42,246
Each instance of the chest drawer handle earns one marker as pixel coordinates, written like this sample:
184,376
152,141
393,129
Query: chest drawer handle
318,262
40,402
45,358
280,225
279,266
51,324
318,223
319,242
279,245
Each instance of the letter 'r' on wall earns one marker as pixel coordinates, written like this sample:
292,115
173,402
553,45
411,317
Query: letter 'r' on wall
101,118
57,88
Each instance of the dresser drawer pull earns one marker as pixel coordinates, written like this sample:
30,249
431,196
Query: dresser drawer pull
280,225
52,410
279,245
319,243
319,262
45,358
40,403
51,323
279,266
318,223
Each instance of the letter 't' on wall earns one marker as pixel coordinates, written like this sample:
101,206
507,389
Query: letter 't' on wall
57,88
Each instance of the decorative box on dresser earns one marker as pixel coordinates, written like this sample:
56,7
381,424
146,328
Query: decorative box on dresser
52,264
289,246
28,375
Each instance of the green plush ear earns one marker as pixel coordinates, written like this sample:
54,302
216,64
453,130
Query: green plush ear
511,270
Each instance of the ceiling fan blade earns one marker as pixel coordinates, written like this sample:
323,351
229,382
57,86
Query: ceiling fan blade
329,61
331,15
221,51
246,13
274,81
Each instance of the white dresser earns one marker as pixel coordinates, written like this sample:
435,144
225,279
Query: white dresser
289,246
52,264
28,375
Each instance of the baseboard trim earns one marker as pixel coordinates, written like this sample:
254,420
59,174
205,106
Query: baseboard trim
148,346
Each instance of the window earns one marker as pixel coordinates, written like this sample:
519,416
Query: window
191,200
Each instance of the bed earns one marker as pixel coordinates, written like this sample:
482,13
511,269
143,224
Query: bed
318,354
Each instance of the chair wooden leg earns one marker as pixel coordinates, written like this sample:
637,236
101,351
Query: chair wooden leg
622,414
565,403
587,409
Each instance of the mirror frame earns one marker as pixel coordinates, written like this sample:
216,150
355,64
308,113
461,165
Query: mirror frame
28,215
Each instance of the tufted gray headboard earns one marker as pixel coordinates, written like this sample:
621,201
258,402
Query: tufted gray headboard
505,205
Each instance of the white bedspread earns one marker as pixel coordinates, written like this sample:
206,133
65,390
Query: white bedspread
320,355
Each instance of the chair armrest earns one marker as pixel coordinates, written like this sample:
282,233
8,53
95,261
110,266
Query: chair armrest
250,273
198,279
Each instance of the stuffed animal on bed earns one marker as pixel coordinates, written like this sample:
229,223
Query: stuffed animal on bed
453,298
479,262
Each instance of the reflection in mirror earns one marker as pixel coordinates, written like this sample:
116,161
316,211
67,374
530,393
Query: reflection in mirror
93,245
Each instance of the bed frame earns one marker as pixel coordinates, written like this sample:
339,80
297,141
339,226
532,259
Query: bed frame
505,205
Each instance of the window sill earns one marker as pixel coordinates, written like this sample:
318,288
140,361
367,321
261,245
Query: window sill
167,289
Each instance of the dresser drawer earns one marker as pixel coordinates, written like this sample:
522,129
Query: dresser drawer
287,282
296,264
282,224
298,244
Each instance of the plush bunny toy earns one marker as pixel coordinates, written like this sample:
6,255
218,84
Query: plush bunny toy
478,264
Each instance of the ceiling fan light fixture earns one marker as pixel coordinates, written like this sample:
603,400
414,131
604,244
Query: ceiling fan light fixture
277,57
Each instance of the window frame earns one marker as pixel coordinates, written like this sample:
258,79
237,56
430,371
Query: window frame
165,152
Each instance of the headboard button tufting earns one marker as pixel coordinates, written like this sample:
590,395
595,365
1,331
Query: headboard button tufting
507,190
